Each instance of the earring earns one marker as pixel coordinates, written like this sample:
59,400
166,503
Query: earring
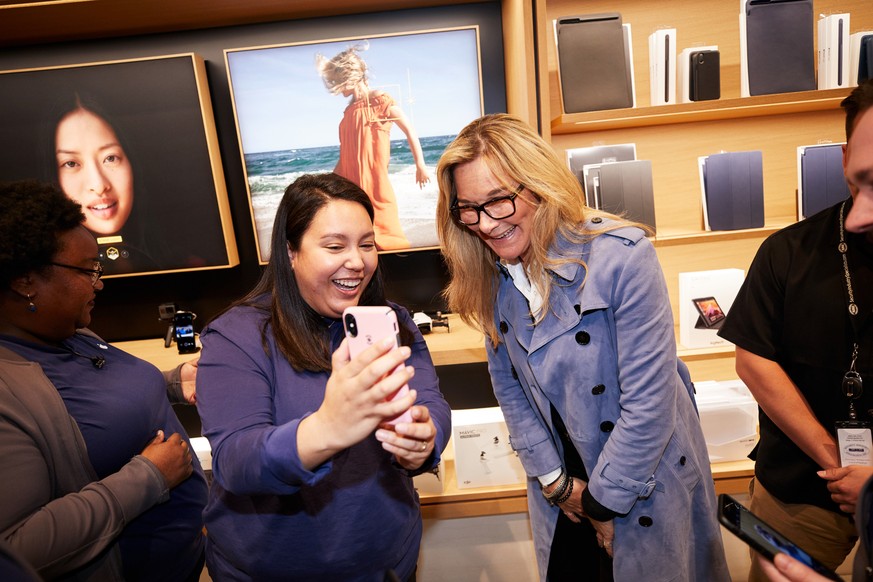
31,306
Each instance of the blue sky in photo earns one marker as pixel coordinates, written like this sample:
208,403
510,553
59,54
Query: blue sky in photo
281,102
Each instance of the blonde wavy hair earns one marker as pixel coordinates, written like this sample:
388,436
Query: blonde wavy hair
515,154
346,69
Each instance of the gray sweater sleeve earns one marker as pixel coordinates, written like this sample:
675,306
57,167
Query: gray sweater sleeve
54,511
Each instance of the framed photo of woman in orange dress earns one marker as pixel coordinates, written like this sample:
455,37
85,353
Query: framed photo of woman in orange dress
378,110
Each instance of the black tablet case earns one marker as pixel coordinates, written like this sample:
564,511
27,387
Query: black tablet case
734,190
592,63
626,189
779,43
705,81
822,181
865,60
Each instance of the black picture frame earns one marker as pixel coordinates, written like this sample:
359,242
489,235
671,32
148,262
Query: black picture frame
160,111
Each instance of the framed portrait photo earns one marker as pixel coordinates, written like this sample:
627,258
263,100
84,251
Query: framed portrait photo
133,142
377,109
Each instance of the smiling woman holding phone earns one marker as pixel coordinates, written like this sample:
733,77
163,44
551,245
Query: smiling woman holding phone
309,481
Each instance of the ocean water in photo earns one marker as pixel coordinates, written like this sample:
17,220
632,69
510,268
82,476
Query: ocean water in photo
269,173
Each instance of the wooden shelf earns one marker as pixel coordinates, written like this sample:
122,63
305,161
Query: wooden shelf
722,109
461,345
729,477
667,238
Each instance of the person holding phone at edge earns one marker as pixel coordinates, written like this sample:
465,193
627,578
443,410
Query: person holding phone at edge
99,482
365,140
308,481
803,331
582,357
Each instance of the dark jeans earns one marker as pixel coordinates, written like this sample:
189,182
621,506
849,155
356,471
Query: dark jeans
575,554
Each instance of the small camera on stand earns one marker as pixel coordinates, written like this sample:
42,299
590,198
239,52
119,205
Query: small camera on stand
180,329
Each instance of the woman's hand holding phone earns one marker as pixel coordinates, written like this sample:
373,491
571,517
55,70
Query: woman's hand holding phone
355,402
784,568
411,442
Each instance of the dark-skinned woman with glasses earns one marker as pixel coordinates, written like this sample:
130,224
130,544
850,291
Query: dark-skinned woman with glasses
582,357
99,482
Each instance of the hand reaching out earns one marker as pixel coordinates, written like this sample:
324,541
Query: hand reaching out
188,376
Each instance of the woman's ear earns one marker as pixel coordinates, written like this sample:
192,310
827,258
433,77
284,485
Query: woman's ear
22,286
291,256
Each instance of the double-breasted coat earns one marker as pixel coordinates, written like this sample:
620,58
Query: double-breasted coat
605,357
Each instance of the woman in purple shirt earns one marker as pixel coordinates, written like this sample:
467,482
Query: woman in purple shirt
308,482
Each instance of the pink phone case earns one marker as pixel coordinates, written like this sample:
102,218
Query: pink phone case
366,325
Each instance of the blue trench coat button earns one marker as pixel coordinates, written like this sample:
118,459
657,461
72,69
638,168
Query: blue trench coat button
606,426
503,327
599,389
582,338
646,521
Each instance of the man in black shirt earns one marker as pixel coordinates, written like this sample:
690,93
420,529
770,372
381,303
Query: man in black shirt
803,324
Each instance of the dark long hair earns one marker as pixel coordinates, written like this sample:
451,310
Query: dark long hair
301,332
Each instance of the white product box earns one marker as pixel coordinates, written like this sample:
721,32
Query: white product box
203,451
483,455
833,52
729,418
662,66
705,297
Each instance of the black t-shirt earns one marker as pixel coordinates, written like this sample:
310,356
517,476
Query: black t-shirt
793,309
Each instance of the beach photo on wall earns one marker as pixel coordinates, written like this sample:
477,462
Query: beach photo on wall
134,143
378,110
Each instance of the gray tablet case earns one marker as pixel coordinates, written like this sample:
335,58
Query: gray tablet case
578,158
822,181
779,42
625,188
592,63
734,190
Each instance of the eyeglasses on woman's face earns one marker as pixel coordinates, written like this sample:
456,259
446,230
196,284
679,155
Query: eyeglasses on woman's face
496,208
94,273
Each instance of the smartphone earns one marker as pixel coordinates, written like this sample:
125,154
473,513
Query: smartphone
183,332
711,313
367,325
762,537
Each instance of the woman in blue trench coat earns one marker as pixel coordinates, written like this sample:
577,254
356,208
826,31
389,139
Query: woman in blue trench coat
582,358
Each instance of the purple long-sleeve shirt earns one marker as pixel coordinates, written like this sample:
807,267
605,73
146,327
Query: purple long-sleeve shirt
268,518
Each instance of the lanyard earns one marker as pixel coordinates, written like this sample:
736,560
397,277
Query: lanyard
853,387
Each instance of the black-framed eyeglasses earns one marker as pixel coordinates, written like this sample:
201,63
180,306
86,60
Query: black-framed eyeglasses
94,273
497,208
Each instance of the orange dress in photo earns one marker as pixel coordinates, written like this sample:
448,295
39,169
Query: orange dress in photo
365,149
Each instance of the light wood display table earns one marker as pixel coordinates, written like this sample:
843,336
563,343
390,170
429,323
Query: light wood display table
463,345
730,477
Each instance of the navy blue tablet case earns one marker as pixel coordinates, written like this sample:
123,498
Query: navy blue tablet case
734,190
779,43
822,181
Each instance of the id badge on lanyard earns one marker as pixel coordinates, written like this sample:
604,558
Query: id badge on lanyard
854,437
